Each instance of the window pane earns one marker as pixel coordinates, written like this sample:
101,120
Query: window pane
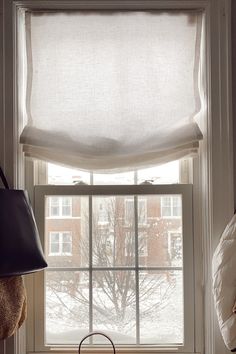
66,236
142,210
55,248
109,238
163,174
119,226
129,211
62,175
161,307
113,178
175,248
54,206
143,245
67,307
156,232
54,237
73,231
114,304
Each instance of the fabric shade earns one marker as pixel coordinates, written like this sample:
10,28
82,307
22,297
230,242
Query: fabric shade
112,89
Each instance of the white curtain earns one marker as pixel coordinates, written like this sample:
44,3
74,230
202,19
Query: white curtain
112,89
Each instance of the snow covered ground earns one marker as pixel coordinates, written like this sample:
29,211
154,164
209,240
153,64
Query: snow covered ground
67,315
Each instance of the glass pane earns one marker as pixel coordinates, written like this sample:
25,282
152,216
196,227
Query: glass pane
54,248
175,248
156,247
114,305
110,245
66,248
74,235
67,307
176,206
163,174
161,307
54,237
142,210
113,178
62,175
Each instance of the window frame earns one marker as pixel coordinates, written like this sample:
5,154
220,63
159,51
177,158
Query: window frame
42,191
170,235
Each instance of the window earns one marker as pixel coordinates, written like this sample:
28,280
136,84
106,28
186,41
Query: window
215,157
141,211
102,211
170,207
60,244
122,275
175,247
60,207
142,244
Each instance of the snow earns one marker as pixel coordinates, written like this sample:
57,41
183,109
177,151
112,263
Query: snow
67,319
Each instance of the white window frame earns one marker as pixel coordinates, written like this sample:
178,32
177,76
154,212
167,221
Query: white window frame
185,190
60,242
215,163
145,251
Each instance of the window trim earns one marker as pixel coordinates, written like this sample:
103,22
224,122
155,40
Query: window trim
170,234
215,162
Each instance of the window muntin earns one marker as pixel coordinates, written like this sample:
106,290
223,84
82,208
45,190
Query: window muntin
175,247
149,271
142,210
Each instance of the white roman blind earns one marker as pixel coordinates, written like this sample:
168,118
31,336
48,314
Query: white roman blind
112,89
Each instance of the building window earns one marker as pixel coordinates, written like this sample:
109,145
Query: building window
175,247
170,207
131,214
60,207
60,243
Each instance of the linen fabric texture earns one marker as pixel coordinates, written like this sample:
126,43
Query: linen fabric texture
112,90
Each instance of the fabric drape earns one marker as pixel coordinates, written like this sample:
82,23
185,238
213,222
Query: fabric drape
112,89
